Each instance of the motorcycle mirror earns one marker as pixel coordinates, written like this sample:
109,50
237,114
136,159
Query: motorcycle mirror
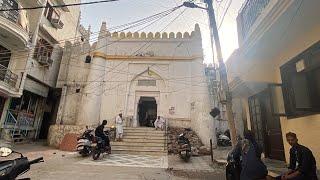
4,151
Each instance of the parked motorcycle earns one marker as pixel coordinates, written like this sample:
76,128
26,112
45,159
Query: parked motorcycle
223,139
11,169
184,145
100,148
233,167
84,143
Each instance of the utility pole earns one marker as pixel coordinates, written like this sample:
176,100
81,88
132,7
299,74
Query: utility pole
225,95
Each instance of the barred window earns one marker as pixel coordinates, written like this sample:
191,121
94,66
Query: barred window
147,82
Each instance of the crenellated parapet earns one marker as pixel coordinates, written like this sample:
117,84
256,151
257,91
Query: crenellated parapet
158,35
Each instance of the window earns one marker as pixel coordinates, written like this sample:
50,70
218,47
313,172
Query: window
301,85
147,82
50,13
43,49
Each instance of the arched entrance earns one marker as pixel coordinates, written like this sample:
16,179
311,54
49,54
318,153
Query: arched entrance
147,111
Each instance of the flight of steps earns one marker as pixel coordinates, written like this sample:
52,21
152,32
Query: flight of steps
144,141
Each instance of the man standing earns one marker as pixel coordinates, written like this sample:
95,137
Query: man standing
119,127
302,162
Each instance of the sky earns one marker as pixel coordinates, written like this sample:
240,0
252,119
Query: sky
125,11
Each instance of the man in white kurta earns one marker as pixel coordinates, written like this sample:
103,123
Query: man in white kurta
159,123
119,127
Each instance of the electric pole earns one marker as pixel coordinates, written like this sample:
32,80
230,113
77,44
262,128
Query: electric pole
225,95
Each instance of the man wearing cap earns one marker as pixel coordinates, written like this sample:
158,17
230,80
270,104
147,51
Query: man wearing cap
119,127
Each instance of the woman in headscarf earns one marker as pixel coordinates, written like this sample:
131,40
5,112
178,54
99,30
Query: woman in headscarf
252,166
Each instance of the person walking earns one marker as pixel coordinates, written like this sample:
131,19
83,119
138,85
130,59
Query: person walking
119,127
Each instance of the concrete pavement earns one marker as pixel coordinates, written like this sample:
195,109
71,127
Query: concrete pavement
61,165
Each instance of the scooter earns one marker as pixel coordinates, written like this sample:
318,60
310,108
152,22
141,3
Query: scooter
100,148
84,143
223,140
184,146
11,169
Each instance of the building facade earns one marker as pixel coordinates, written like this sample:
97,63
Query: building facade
142,75
275,73
31,44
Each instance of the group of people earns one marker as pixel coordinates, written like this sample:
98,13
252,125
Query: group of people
302,162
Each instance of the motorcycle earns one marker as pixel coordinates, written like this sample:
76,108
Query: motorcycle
100,148
184,146
223,140
233,166
84,143
11,169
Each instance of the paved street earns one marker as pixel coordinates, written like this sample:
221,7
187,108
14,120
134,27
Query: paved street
68,165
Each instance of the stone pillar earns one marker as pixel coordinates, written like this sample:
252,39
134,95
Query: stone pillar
89,112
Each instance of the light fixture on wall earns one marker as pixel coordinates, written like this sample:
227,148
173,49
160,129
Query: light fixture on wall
88,59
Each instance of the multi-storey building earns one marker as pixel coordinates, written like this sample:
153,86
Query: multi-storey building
275,73
31,44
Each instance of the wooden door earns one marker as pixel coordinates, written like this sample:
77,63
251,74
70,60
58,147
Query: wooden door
266,126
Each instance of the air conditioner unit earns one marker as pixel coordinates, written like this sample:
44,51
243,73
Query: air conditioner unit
45,61
57,23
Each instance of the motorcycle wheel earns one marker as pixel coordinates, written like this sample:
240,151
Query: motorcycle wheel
96,154
187,157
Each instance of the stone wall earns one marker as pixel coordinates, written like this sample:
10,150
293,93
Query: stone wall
57,132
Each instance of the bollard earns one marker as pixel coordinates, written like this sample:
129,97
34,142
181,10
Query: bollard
211,151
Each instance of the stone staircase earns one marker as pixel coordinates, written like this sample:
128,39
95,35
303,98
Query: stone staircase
145,141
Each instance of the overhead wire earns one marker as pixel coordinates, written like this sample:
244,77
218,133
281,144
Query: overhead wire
123,26
57,6
146,42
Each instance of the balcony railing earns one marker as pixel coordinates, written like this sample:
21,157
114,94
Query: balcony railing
249,13
14,15
8,76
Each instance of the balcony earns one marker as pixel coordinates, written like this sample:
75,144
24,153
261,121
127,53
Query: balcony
248,15
14,25
8,77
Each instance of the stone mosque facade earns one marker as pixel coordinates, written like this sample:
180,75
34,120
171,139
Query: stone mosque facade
159,74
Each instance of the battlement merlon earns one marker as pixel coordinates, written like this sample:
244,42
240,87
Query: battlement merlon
194,35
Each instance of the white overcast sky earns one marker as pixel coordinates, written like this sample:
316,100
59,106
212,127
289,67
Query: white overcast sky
124,11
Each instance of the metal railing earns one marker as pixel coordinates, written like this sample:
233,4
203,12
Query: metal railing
20,121
20,118
165,146
8,76
250,12
10,15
